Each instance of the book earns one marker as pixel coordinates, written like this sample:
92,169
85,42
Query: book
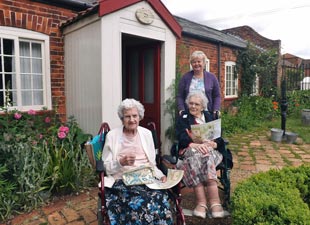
207,131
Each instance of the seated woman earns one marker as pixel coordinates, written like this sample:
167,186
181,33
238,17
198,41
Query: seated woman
200,159
125,148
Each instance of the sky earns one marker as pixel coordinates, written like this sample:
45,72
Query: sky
285,20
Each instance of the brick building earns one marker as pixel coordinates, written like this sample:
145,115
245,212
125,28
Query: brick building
83,57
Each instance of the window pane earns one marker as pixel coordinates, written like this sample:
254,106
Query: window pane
25,65
37,82
37,66
1,98
26,98
9,64
24,48
25,81
36,50
1,82
10,81
13,97
38,97
8,47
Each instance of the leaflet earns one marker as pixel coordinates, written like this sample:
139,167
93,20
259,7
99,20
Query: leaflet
206,131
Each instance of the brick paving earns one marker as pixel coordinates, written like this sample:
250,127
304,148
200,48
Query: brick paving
252,153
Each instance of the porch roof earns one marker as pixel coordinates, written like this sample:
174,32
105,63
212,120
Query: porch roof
109,6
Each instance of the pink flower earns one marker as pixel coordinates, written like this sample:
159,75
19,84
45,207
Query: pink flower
31,112
17,116
47,120
61,134
64,129
41,136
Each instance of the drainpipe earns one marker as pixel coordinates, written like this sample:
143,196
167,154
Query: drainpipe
219,47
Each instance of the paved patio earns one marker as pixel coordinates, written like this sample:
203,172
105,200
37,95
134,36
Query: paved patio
252,153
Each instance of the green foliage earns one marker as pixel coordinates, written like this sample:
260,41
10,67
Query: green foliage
252,62
171,106
274,197
6,194
298,100
251,112
43,158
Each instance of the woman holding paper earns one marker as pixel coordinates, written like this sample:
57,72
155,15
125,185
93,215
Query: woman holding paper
200,157
126,148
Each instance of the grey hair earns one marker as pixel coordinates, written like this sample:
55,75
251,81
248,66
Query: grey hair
130,103
199,94
198,54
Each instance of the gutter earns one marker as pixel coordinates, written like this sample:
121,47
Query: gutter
68,4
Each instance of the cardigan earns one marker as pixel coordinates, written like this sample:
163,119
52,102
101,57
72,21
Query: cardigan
212,91
112,147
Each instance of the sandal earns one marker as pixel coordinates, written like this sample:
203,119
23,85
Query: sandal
219,214
200,213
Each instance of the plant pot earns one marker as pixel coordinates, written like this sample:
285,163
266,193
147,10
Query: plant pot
276,134
305,117
290,137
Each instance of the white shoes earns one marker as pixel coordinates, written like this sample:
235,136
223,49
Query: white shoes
219,214
201,214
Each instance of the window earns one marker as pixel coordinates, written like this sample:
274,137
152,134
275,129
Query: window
231,83
24,69
255,89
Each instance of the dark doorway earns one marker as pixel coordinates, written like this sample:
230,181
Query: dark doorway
141,75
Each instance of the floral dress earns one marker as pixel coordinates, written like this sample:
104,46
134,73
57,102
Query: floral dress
137,204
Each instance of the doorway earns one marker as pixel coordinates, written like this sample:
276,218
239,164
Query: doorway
141,75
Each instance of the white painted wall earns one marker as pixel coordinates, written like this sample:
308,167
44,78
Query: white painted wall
82,73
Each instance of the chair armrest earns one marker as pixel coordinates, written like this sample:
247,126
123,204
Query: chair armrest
100,166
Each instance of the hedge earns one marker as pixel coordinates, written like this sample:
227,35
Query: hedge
275,197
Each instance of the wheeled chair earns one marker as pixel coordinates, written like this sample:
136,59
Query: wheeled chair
102,214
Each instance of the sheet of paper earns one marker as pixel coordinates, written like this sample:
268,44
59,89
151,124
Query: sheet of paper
206,131
173,178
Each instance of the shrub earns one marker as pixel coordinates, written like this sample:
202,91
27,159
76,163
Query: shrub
43,157
274,197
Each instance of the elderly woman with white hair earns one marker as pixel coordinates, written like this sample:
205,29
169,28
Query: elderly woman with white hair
200,158
127,147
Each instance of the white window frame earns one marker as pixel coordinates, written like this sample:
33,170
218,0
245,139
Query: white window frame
18,35
231,83
255,88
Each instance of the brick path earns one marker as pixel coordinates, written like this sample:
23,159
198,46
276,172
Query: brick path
252,153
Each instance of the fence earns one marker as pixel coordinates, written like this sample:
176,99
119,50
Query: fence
297,76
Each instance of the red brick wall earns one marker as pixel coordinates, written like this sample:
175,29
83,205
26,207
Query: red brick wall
247,33
187,45
45,19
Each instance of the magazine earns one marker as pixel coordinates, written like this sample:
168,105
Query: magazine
206,131
173,178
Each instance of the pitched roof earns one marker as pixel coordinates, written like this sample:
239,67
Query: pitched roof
109,6
207,33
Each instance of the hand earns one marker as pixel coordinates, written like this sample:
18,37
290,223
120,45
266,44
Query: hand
127,160
202,148
163,179
210,143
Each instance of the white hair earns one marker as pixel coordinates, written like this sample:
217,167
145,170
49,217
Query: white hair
198,54
199,94
130,103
